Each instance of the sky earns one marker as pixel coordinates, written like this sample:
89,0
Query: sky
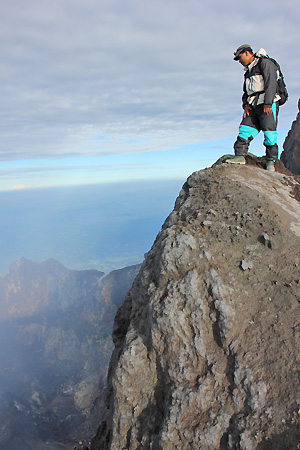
105,227
102,91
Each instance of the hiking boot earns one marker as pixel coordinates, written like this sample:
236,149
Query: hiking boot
270,166
236,160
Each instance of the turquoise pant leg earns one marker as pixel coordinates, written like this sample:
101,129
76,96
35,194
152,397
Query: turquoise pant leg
246,132
252,124
271,136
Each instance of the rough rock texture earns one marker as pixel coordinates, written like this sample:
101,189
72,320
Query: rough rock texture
207,341
291,153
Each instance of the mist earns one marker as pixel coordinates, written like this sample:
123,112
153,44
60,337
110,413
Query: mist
55,346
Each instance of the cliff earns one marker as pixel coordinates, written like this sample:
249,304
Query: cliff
291,147
207,341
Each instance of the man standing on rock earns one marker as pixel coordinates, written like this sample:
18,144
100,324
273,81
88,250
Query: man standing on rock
260,104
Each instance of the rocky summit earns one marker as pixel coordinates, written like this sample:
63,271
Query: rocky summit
207,341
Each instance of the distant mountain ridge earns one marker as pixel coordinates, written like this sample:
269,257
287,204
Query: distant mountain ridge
30,287
55,344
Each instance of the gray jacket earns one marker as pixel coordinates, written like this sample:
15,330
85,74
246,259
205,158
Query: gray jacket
260,83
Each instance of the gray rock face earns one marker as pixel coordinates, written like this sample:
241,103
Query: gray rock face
291,153
207,341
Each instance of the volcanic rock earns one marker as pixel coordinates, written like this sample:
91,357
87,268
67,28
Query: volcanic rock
291,153
207,348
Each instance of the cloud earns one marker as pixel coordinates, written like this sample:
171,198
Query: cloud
86,77
18,187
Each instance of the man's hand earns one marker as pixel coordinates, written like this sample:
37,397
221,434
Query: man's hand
246,111
267,110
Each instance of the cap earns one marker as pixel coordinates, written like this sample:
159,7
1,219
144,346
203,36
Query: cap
242,49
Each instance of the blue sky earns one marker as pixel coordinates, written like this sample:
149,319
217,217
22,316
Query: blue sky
114,90
177,163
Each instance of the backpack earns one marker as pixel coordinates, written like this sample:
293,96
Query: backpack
281,86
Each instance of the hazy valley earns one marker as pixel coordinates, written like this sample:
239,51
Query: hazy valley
55,335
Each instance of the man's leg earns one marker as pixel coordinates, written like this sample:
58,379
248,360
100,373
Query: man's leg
269,127
248,129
